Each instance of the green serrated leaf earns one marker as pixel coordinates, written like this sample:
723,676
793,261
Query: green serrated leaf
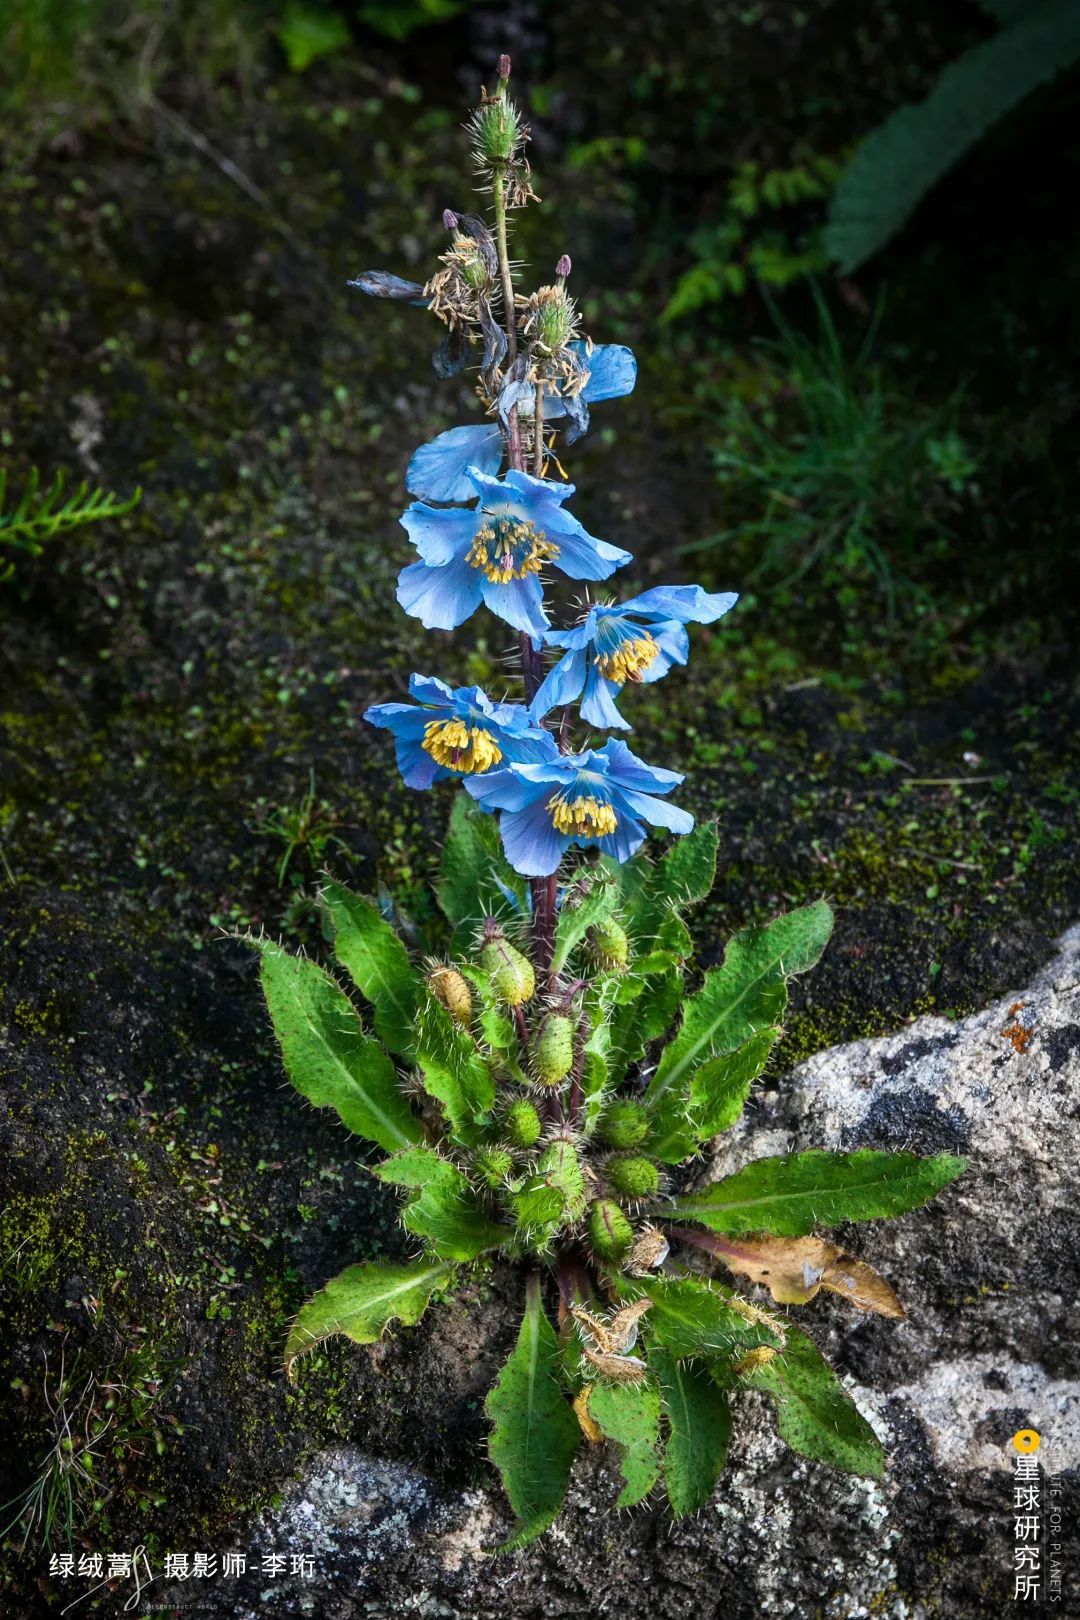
814,1412
629,1414
453,1070
687,872
790,1196
668,948
719,1089
699,1426
443,1211
377,963
635,1024
691,1318
474,876
747,993
673,1138
363,1300
326,1054
574,921
535,1434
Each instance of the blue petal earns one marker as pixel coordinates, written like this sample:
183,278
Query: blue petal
403,719
582,555
546,490
598,707
688,603
439,534
532,845
625,841
628,771
612,372
674,644
429,689
561,685
520,602
505,790
437,470
417,767
655,810
441,598
579,636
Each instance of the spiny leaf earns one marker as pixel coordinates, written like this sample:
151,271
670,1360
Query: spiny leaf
699,1425
535,1434
719,1089
443,1211
747,993
326,1054
790,1196
814,1412
475,876
629,1414
377,962
453,1070
794,1269
690,1318
687,871
637,1023
575,920
362,1301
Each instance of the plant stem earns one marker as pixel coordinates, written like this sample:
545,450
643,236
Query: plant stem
538,431
514,453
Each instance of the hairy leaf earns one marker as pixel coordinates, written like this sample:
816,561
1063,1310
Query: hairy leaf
362,1301
535,1434
377,962
629,1414
575,920
790,1196
453,1070
636,1023
475,877
443,1210
747,993
794,1269
690,1318
699,1425
719,1089
326,1054
814,1412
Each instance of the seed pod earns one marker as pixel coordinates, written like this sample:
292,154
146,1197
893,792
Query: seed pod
553,1048
609,944
610,1233
496,131
492,1165
511,974
522,1123
560,1167
451,988
633,1175
624,1124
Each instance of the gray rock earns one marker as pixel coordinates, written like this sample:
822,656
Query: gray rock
988,1273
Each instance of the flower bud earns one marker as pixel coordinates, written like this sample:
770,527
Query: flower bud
492,1165
449,219
553,1048
633,1175
609,944
511,973
522,1123
496,132
451,988
562,269
504,66
560,1167
610,1233
624,1124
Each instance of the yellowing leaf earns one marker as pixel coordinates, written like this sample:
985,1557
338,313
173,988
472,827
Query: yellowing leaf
794,1269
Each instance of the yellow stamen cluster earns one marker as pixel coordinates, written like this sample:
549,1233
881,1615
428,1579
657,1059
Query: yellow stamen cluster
510,548
630,659
582,817
458,747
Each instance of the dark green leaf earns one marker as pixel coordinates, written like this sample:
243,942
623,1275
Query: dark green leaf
719,1089
444,1210
814,1412
575,920
453,1070
629,1414
535,1434
326,1054
790,1196
362,1300
690,1318
475,875
699,1424
377,962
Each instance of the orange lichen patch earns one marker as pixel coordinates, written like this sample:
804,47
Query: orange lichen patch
1017,1033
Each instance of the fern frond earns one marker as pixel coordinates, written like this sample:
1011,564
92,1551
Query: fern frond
41,514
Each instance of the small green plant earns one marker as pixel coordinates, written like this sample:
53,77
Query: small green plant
837,472
41,514
307,829
542,1087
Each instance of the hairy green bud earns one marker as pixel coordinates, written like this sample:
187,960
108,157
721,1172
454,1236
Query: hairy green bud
560,1166
522,1123
553,1048
492,1165
609,945
624,1124
496,132
449,987
610,1233
633,1175
511,973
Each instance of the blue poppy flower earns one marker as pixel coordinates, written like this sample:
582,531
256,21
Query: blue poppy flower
457,733
599,797
439,470
635,640
494,552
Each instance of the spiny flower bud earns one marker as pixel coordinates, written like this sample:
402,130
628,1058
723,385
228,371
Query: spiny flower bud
609,944
553,1048
496,133
563,268
550,319
625,1124
633,1176
492,1165
610,1233
560,1167
451,988
511,973
522,1123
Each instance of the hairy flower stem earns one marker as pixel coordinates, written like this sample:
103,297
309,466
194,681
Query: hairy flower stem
514,453
538,431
